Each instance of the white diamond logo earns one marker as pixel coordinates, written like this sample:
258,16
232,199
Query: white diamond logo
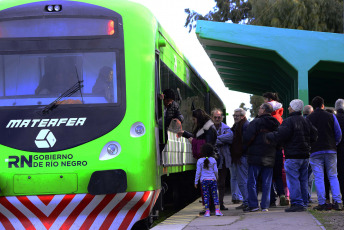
45,139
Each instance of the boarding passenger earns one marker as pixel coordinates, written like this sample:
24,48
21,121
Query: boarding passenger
224,139
207,173
324,153
261,157
278,174
296,134
308,109
171,113
339,107
204,132
239,153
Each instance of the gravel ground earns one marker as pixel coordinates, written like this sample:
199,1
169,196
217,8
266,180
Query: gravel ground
331,220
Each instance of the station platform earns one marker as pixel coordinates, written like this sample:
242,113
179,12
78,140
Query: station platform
275,218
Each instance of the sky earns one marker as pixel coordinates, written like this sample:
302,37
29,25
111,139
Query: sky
171,15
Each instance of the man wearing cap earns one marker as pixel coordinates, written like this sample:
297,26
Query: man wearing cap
296,135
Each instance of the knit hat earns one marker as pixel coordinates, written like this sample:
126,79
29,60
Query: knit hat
296,105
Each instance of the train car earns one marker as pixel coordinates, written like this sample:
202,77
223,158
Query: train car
80,112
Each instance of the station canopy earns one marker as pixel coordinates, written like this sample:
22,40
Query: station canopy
294,63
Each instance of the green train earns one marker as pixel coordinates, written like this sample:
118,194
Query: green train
79,114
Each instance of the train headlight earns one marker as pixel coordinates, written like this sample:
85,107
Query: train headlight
50,8
138,129
111,150
57,8
53,8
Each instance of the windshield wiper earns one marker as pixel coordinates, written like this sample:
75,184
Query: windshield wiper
69,92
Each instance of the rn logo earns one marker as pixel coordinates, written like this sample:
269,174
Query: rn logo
45,139
16,160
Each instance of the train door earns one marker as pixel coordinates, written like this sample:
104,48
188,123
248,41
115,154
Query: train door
159,107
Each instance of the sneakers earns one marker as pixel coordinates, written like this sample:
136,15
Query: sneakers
283,200
337,206
265,210
295,208
223,208
242,206
250,209
207,213
322,207
218,213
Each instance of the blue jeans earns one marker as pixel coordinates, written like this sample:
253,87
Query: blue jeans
266,173
329,160
236,195
242,174
297,179
310,182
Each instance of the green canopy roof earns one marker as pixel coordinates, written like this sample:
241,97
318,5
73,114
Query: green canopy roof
257,59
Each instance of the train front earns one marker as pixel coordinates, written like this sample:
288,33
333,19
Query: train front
70,152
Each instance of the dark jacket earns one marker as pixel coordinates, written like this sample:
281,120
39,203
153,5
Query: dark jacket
171,112
295,134
259,152
340,118
207,132
238,149
329,132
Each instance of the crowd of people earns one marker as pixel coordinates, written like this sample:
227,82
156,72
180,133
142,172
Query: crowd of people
282,158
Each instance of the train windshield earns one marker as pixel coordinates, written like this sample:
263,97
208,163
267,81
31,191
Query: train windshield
38,79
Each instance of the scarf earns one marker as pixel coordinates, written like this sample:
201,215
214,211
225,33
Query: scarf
237,145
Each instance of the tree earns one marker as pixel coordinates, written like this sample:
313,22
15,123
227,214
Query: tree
315,15
256,102
225,10
242,105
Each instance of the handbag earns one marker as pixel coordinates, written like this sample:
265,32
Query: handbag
196,147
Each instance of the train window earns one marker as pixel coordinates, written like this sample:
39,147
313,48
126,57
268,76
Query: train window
38,79
194,95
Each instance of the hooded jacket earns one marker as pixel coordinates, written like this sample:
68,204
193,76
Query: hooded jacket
296,135
278,110
259,152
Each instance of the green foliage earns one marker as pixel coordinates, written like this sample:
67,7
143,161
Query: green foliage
315,15
225,10
242,105
256,102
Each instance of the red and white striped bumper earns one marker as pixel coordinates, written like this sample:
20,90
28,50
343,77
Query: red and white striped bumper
76,211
